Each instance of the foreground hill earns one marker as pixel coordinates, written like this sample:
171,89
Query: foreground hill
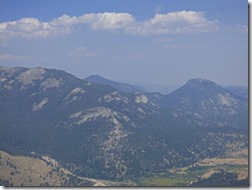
41,171
99,132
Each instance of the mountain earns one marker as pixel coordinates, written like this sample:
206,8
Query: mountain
206,103
119,86
163,89
241,91
97,131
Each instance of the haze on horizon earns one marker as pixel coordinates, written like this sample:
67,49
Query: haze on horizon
161,42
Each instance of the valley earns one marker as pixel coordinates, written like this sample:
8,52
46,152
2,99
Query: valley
203,169
44,171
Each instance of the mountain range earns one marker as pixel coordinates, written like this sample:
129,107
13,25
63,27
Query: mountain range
241,91
107,130
119,86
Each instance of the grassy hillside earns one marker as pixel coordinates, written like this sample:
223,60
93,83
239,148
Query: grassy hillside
40,171
28,171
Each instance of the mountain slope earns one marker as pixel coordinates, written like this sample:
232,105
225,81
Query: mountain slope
119,86
238,90
206,103
97,131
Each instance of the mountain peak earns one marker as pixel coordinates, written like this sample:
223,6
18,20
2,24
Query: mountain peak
200,82
95,78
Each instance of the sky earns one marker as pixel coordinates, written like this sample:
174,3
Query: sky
159,42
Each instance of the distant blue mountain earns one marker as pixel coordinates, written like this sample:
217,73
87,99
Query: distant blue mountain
206,103
119,86
241,91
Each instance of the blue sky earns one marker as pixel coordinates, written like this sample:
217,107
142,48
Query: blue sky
141,42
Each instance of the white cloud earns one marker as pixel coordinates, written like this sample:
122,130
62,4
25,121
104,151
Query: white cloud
65,20
13,58
81,52
179,22
25,27
173,22
112,21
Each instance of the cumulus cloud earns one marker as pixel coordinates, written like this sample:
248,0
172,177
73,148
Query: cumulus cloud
111,21
25,27
179,22
173,22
